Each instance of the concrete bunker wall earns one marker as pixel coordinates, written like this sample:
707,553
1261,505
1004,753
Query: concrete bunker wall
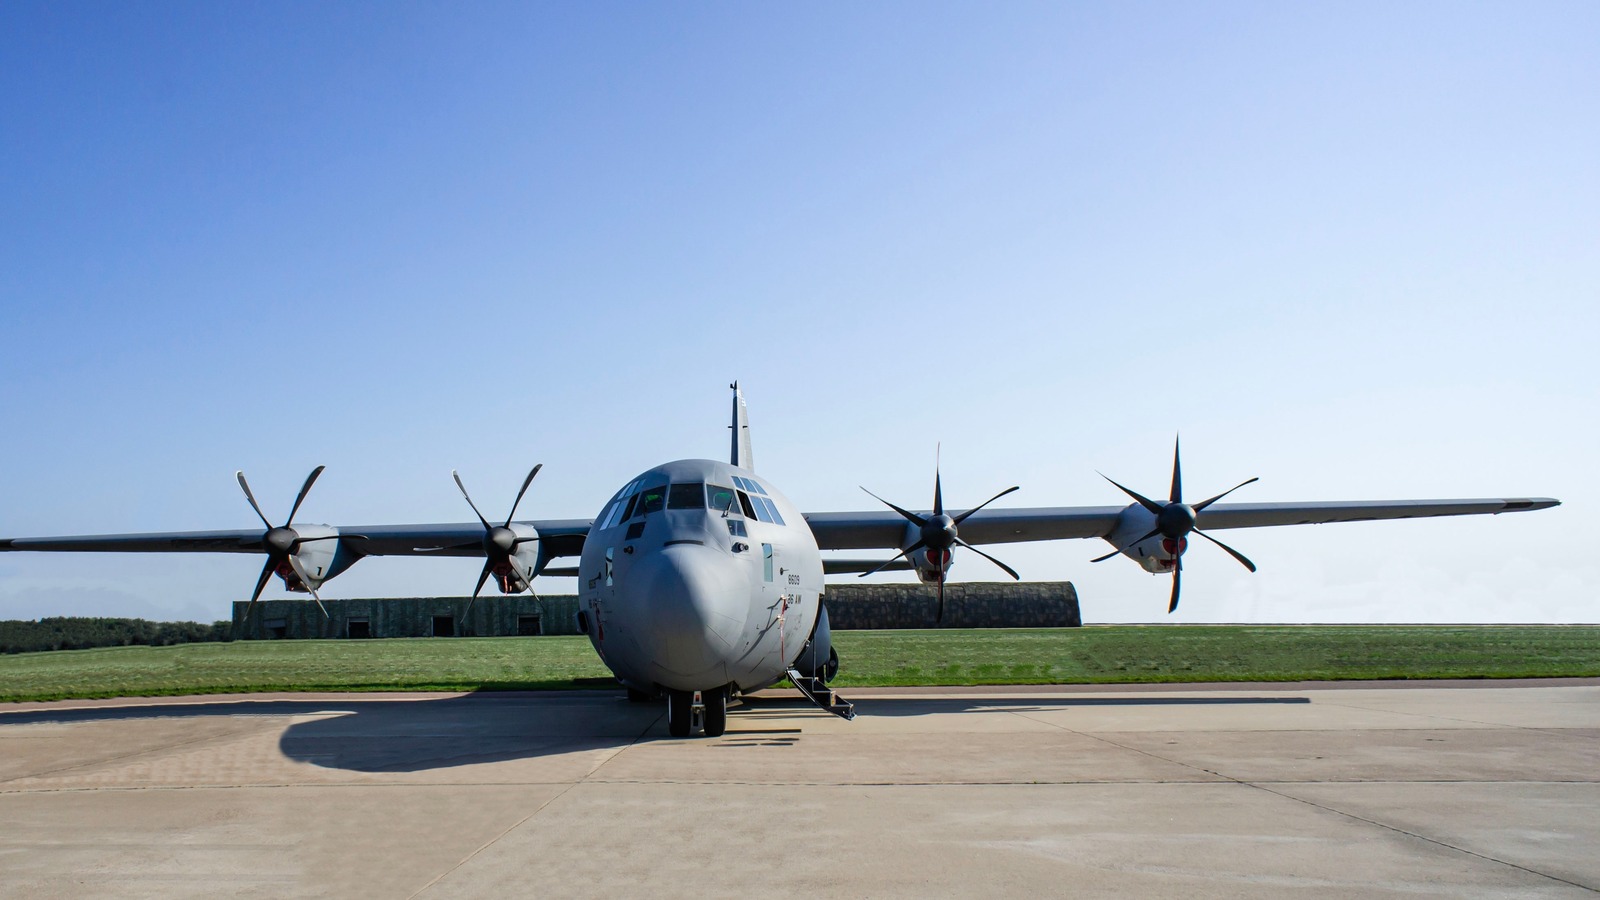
1052,604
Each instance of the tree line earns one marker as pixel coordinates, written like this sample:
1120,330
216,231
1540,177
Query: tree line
83,633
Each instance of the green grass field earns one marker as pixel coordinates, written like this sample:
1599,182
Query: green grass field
1101,654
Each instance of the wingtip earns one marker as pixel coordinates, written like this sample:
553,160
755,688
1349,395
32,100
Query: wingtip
1524,504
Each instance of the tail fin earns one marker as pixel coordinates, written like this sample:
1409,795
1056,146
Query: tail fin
739,454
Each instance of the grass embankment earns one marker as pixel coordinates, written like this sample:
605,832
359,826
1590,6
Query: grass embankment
1105,654
1115,654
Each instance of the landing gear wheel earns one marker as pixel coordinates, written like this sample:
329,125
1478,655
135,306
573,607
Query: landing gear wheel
716,701
680,713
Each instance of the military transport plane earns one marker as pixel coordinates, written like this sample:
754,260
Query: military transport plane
699,580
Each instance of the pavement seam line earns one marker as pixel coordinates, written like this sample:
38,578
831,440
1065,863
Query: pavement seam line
619,751
1261,786
492,841
1421,837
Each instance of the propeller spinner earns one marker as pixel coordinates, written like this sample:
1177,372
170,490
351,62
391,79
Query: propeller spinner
940,532
1175,521
281,541
500,543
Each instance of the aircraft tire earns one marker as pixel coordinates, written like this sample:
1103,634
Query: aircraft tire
680,713
716,702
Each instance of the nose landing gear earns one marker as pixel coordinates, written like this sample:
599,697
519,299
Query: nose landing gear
690,711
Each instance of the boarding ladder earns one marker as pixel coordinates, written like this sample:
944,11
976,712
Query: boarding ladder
823,696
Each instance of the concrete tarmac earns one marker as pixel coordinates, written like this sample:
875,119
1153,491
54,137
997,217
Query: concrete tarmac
1481,789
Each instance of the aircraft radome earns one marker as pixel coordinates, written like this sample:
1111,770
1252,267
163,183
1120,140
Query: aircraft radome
699,580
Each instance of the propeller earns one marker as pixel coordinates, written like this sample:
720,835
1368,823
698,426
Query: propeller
499,541
281,541
1175,521
940,532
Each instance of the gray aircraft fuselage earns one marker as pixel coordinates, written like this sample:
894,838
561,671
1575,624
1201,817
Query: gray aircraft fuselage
698,575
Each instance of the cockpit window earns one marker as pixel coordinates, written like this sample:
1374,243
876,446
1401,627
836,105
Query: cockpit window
765,503
651,499
615,512
686,496
722,499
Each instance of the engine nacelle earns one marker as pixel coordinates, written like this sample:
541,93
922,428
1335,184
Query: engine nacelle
818,659
1157,554
516,573
318,558
932,566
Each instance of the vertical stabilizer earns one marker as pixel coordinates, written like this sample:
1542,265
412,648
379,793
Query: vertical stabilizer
739,455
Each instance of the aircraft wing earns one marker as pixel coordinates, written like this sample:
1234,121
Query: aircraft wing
1256,515
882,530
564,537
244,540
869,530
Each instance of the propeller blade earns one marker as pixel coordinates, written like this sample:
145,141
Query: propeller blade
261,585
1009,571
252,498
468,498
525,482
1177,582
327,537
304,489
1205,503
467,616
1231,552
938,491
911,516
1146,502
318,597
523,540
963,517
488,566
1147,537
1177,475
906,552
938,615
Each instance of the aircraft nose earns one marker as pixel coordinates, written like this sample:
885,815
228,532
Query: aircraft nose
696,602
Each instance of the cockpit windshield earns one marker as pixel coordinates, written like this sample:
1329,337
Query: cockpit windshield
686,496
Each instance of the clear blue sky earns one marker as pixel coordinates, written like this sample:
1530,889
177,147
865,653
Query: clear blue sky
1351,248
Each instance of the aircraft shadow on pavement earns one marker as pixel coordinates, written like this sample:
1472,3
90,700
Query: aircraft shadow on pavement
438,733
385,735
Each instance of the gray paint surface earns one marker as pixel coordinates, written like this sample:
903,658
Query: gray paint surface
1248,791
